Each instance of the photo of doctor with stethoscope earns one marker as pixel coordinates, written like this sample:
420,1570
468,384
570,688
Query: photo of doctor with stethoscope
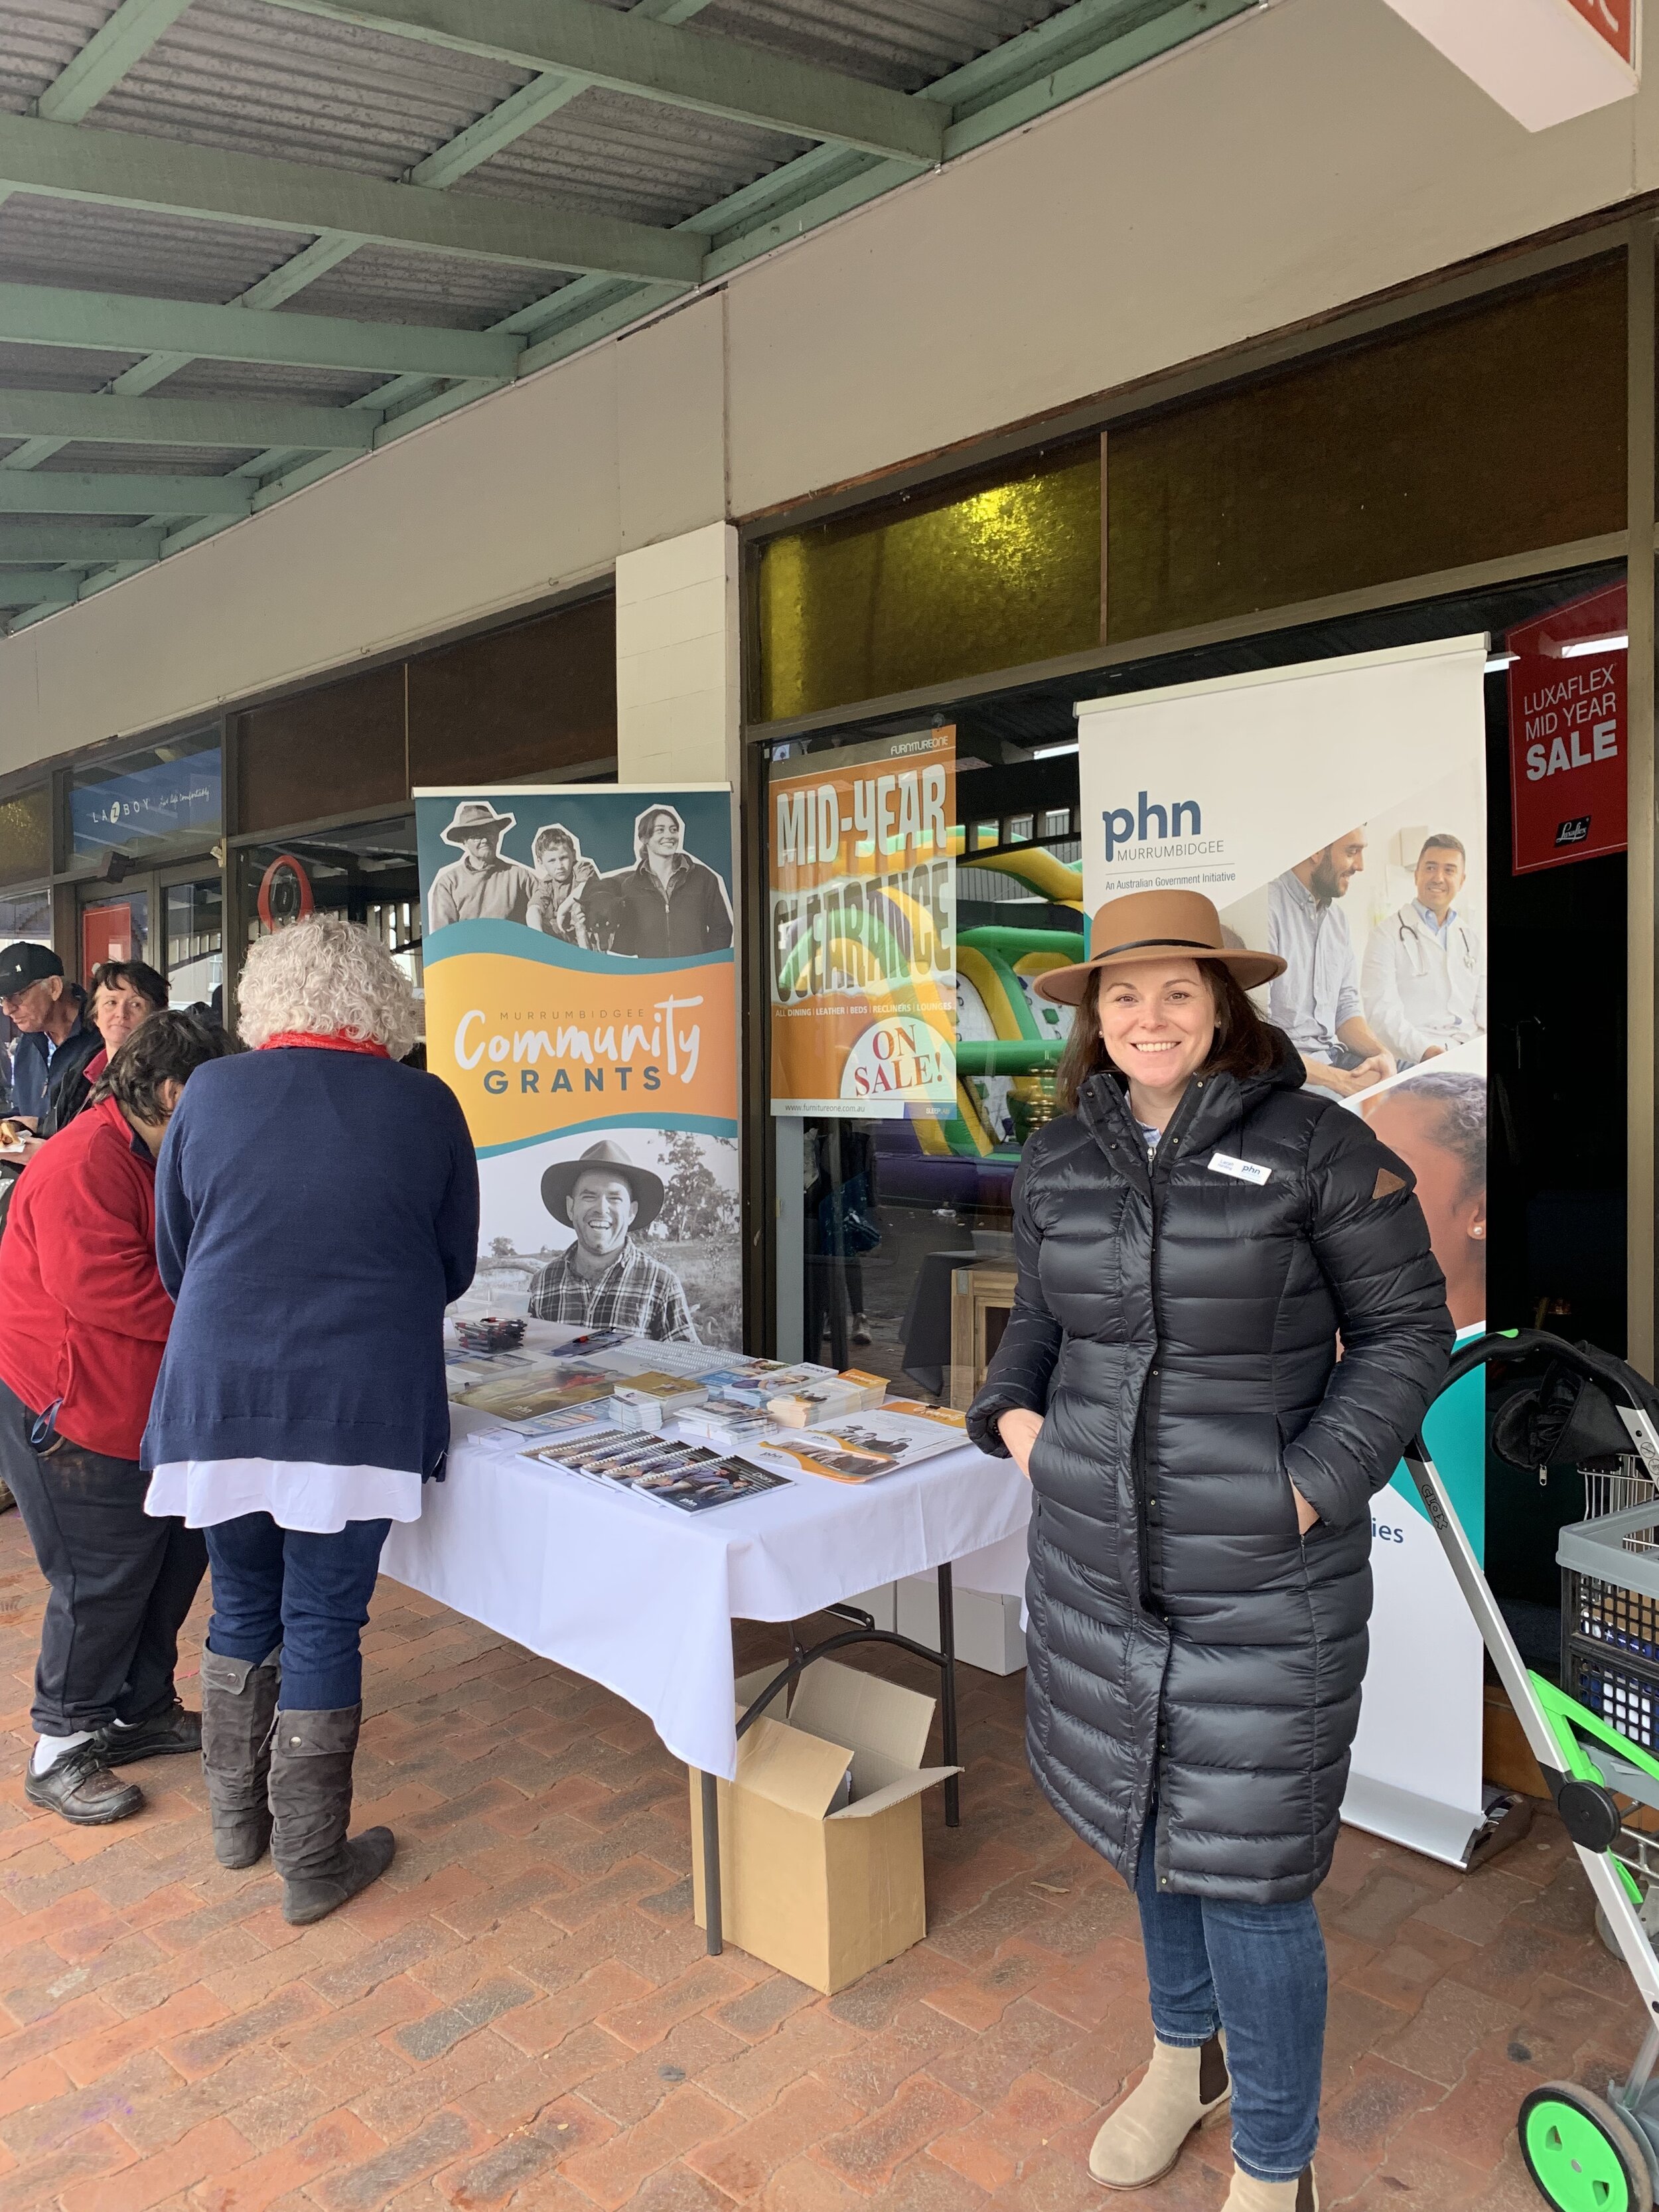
1423,980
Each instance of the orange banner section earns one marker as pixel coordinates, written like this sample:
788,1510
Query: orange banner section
863,929
531,1047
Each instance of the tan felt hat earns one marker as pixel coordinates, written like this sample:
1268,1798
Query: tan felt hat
1145,925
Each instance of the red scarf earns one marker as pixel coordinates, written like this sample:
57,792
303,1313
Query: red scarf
333,1042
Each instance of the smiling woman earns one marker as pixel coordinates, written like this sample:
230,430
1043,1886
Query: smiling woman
1191,1235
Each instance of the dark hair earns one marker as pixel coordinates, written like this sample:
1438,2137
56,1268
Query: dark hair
1443,841
1457,1103
168,1048
1244,1043
137,975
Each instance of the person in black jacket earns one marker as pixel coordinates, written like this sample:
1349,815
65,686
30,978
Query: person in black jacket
1194,1235
125,994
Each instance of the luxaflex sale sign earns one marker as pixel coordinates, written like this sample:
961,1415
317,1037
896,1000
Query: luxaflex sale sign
1567,732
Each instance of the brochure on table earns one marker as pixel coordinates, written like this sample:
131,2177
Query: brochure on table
659,1420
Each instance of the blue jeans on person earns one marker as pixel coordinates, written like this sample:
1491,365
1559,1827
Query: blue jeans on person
307,1593
1257,1971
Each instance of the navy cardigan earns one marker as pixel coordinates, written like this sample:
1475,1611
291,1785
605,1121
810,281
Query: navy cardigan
315,1212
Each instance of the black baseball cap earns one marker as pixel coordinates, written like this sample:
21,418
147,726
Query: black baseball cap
23,963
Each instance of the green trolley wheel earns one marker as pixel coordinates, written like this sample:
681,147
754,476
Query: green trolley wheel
1583,2155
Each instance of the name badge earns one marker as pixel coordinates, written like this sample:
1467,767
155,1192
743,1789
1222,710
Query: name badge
1240,1171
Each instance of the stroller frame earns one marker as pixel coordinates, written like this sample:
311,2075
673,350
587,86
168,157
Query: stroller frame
1577,2145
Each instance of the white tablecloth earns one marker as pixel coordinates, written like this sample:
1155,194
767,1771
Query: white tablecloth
640,1597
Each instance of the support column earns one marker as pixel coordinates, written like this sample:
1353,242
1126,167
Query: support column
679,665
1642,898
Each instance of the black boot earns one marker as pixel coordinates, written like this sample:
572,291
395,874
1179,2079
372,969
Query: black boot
238,1709
162,1735
311,1799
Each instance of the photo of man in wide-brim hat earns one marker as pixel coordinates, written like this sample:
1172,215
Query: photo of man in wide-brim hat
604,1279
484,885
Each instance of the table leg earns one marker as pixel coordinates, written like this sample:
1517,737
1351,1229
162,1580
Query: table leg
947,1652
711,1864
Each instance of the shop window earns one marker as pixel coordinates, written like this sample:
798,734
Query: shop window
527,703
324,752
882,1220
1057,822
1489,432
26,914
1002,571
369,871
151,806
194,949
26,837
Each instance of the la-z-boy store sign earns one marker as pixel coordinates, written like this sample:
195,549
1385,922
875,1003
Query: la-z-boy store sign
1567,732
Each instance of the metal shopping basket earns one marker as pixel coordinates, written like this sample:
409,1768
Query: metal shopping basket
1596,1738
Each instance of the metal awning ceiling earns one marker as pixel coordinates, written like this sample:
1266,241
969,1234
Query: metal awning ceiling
242,241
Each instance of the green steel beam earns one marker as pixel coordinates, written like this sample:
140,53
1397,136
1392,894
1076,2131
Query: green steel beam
82,544
116,322
37,587
71,415
123,169
659,61
74,492
108,56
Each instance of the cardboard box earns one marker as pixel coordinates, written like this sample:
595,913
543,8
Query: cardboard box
822,1894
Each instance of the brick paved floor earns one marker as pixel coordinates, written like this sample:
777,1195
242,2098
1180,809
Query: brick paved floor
521,2015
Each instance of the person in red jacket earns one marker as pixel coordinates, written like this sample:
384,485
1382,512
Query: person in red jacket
83,1323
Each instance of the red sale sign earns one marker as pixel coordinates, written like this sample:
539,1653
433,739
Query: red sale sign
1615,20
1567,732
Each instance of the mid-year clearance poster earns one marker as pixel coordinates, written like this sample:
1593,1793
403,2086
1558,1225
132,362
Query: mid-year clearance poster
862,930
1336,811
581,1002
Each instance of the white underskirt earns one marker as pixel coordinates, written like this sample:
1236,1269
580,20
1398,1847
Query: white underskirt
296,1494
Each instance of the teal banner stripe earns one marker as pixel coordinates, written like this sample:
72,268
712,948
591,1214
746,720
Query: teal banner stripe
516,942
705,1125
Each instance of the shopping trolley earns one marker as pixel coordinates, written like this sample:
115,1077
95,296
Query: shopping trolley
1586,2152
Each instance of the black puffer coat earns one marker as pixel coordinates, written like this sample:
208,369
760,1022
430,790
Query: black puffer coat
1178,1323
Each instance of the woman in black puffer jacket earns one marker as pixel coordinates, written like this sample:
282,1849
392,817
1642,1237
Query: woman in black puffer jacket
1192,1239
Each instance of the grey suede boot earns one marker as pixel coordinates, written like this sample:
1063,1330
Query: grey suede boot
311,1800
238,1711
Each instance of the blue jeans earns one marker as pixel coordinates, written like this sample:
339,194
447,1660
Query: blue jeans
307,1593
1257,1971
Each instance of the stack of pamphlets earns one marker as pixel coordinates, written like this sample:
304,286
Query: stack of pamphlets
646,1401
684,1475
865,1446
727,1423
812,1405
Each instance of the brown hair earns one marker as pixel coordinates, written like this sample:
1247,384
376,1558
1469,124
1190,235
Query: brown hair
1244,1043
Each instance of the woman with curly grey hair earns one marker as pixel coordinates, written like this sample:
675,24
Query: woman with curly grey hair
314,1214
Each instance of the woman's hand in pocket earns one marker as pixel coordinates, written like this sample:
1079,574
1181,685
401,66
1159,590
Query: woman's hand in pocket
1305,1515
1019,1430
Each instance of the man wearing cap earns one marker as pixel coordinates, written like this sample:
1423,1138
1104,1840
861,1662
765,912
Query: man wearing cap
57,1040
482,885
604,1280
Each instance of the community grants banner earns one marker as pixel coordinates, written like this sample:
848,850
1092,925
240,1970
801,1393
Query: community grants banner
1335,812
581,1002
863,930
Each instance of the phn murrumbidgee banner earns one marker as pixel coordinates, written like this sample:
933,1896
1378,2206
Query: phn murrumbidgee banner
1336,811
581,1002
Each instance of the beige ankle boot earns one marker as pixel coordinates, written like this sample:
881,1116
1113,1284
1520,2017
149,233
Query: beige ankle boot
1249,2195
1182,2088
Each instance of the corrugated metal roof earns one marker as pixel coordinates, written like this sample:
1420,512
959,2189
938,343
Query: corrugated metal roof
612,155
254,78
258,80
381,284
903,44
97,248
38,42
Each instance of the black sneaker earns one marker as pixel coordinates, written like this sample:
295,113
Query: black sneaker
81,1787
159,1737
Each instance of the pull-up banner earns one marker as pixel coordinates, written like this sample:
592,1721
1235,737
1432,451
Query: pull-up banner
581,1002
1335,812
863,930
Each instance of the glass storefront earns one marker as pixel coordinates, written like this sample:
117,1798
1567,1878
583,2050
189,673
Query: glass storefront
369,871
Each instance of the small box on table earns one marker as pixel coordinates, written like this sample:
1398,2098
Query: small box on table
821,1887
